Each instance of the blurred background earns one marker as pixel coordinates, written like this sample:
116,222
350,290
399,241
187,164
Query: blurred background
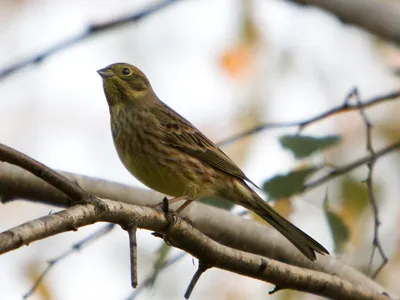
226,66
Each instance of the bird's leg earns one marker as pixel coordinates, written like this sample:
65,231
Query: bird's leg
176,199
184,205
165,206
170,216
170,201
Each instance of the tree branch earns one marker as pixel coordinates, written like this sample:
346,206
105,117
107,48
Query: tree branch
131,229
380,18
376,244
53,178
149,280
200,270
218,224
344,107
184,236
92,30
347,168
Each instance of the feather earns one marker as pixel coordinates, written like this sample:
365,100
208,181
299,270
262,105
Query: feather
182,135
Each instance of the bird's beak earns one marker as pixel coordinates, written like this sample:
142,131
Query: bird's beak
106,72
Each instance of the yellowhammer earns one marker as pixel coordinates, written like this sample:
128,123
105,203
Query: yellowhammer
168,154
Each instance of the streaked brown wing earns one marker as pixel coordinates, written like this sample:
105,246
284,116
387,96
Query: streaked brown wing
182,135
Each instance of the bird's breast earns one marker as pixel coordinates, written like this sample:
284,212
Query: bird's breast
140,147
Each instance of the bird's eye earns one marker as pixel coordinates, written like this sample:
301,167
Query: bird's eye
126,71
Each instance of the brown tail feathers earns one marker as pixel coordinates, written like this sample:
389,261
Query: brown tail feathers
306,244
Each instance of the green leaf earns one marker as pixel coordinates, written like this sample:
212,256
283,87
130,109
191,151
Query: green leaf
284,186
303,146
354,195
340,231
217,202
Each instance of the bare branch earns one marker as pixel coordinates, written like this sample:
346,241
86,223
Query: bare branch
89,32
380,18
345,107
218,224
282,252
186,237
376,244
53,178
200,270
131,229
16,183
196,244
347,168
148,281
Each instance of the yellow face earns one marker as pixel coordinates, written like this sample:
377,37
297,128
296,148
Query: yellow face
123,82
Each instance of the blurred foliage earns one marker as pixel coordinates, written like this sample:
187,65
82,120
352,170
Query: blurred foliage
302,146
288,294
159,263
339,230
285,186
390,274
43,291
248,117
217,202
284,207
354,196
390,131
354,202
238,60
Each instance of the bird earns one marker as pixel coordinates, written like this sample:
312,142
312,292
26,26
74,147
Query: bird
169,154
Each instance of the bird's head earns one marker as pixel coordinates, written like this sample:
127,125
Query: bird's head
124,83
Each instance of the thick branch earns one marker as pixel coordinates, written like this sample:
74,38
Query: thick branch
220,225
14,157
380,18
184,236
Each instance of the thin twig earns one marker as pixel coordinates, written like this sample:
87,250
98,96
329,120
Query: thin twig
71,189
200,270
148,281
275,290
345,107
349,167
75,248
90,31
133,254
375,211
